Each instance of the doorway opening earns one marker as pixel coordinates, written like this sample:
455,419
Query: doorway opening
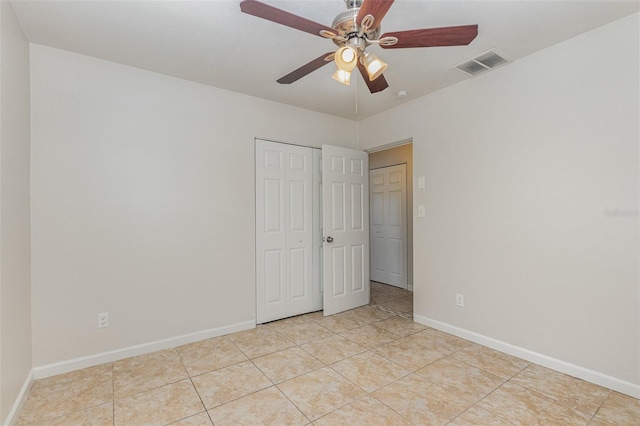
391,228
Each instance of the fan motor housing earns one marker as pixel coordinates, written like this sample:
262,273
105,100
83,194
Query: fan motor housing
345,24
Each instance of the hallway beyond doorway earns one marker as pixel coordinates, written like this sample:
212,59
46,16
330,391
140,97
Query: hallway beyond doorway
393,300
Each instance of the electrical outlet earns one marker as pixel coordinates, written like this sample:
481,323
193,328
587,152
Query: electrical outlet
460,299
103,320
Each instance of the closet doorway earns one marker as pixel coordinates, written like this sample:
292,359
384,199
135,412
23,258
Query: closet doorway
312,230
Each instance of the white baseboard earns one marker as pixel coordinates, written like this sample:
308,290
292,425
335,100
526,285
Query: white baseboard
118,354
619,385
20,400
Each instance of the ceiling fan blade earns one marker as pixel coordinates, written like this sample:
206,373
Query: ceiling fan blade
307,68
375,8
433,37
375,86
270,13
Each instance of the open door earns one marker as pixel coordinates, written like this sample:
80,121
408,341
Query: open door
345,223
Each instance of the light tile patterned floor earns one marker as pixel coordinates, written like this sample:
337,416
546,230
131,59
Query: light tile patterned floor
367,366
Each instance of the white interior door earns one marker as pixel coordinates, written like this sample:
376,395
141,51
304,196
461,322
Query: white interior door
345,219
284,230
389,225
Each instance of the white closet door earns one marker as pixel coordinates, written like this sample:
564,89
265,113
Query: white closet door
317,229
284,230
389,225
345,217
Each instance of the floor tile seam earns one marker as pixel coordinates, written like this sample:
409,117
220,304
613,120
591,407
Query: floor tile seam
601,405
473,402
306,351
47,418
293,377
389,406
292,403
385,359
558,401
309,322
218,368
489,409
150,389
447,391
262,372
480,367
347,379
396,363
500,353
504,379
314,340
419,368
267,353
138,357
240,397
603,417
369,348
184,352
199,397
188,417
406,335
440,351
546,397
237,347
484,409
349,356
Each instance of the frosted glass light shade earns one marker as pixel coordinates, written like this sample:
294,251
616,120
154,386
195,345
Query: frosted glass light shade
375,67
346,58
342,76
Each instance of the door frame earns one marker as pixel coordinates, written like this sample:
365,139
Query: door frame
410,197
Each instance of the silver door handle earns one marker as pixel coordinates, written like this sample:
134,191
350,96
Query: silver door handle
329,239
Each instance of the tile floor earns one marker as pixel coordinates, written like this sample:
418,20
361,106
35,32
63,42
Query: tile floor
366,366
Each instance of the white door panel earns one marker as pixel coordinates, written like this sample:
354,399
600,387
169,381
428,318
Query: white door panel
345,228
389,225
284,230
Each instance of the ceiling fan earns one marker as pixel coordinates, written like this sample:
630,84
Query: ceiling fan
353,31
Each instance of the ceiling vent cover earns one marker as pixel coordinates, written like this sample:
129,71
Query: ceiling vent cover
483,63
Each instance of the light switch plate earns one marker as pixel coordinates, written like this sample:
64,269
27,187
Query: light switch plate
421,182
422,211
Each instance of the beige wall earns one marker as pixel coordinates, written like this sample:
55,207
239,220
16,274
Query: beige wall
402,154
15,285
143,202
522,165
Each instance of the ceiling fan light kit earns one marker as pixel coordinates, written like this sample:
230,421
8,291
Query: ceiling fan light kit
342,76
346,58
375,67
353,30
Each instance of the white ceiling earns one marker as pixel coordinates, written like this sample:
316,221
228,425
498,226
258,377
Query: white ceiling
213,43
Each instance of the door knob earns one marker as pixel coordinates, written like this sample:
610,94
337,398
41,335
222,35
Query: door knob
329,239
